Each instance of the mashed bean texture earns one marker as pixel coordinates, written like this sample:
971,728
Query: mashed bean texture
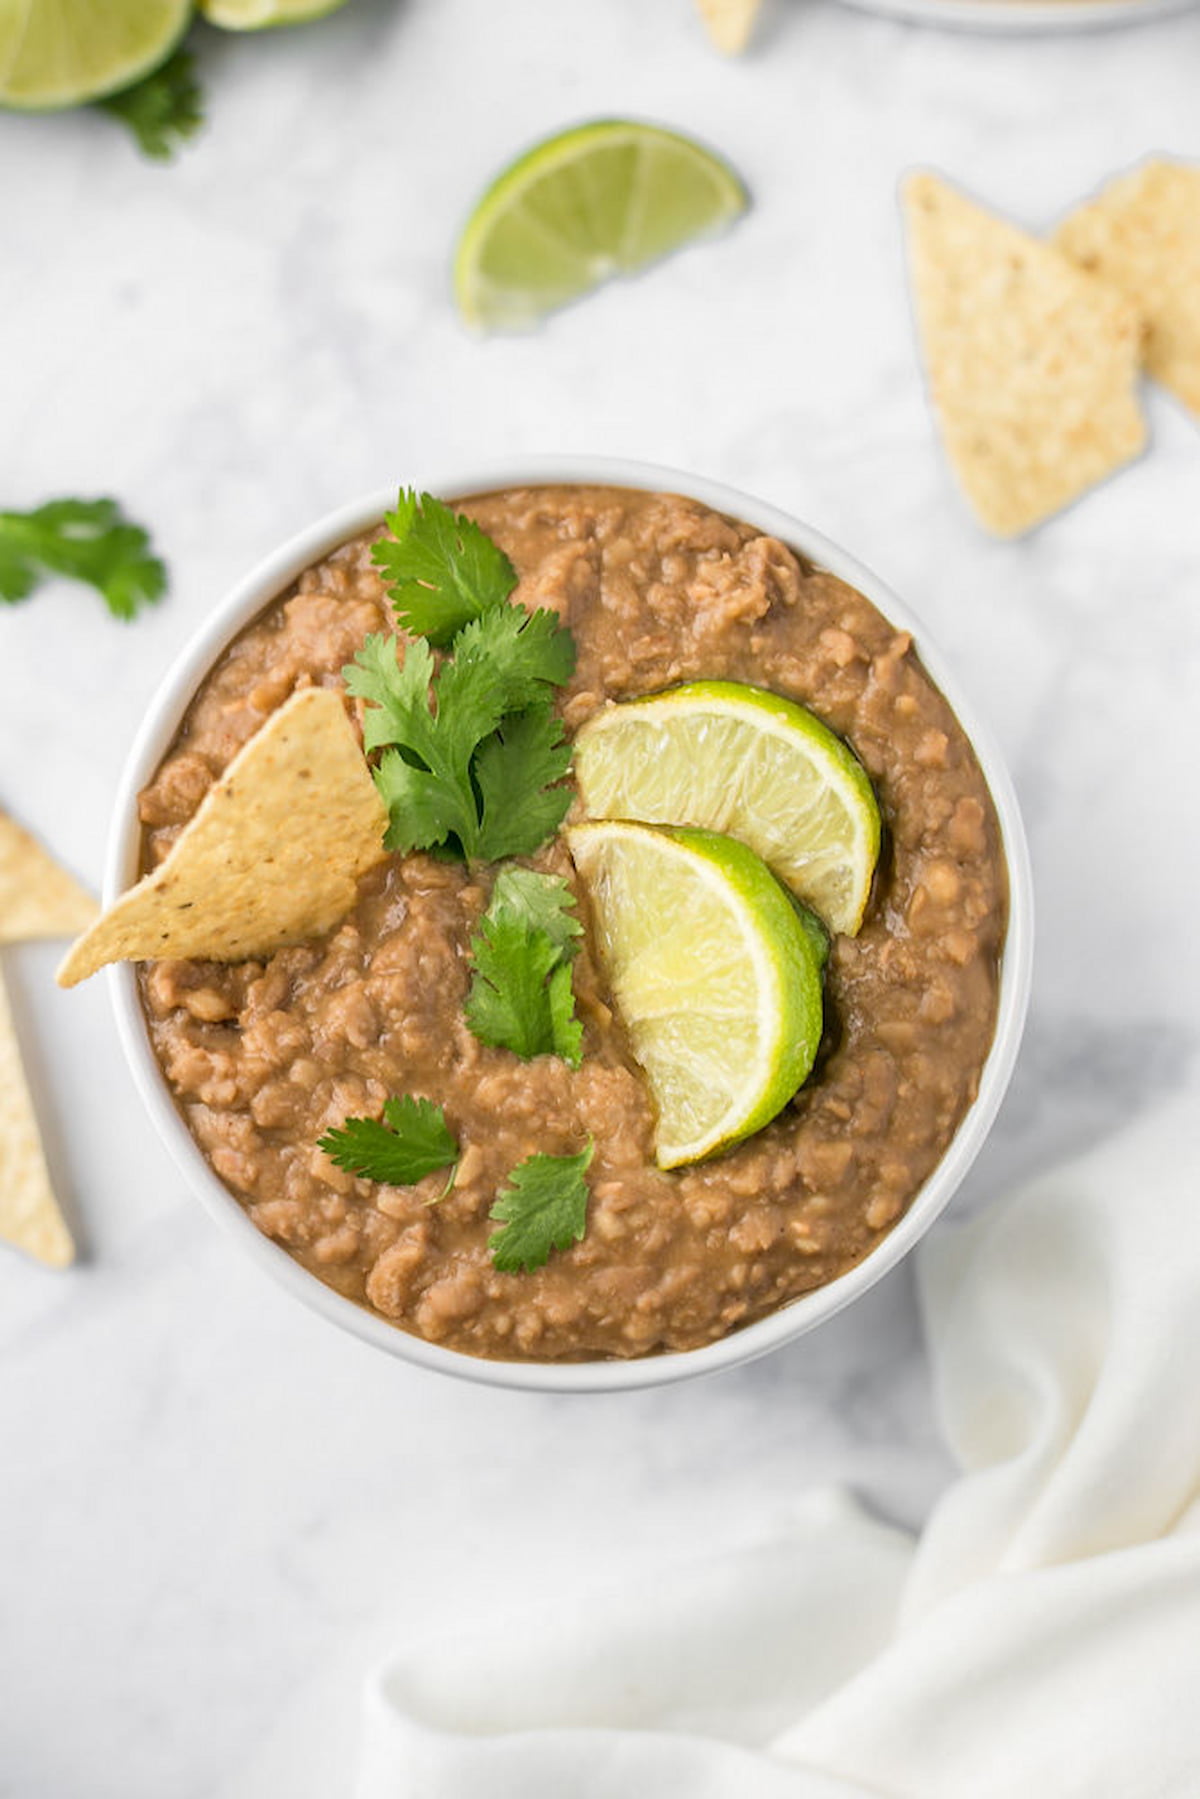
262,1057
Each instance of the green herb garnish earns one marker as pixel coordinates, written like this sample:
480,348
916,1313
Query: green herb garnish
518,770
163,109
503,663
410,1143
442,569
84,540
543,1207
543,901
471,758
461,764
473,752
521,996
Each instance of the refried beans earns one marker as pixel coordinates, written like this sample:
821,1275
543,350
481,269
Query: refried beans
264,1056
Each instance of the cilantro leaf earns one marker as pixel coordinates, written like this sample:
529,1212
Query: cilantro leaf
441,568
521,996
543,1207
84,540
516,771
435,724
422,814
456,768
163,109
527,652
395,696
566,1030
413,1140
545,901
508,1004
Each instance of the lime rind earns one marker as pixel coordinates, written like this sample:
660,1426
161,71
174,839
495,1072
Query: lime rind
59,53
814,930
603,199
715,976
264,15
729,757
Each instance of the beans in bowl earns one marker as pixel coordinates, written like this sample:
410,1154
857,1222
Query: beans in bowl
265,1057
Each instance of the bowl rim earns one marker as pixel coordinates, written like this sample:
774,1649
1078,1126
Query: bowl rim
1025,17
263,584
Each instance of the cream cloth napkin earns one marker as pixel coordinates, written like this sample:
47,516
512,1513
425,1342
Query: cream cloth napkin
1040,1641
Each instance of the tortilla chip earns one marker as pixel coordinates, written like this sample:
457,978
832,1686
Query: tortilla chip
272,856
729,22
1032,366
1142,235
29,1214
37,897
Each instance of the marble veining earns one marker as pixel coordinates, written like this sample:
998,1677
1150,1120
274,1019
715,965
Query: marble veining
213,1508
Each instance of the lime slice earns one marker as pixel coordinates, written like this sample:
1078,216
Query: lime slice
63,52
716,978
739,759
601,200
255,15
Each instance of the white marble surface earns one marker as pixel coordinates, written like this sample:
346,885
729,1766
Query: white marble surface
212,1505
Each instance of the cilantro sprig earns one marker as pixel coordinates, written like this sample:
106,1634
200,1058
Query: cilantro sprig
443,571
163,109
521,996
411,1142
473,754
543,1207
503,663
84,540
458,766
545,902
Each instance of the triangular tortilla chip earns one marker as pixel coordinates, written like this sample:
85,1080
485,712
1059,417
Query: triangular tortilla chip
272,856
37,897
729,22
1032,365
1142,235
29,1214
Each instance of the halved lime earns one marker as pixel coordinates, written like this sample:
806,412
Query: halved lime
255,15
735,758
64,52
715,977
600,200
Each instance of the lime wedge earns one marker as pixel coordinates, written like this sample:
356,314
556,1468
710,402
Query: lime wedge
64,52
255,15
738,759
716,978
601,200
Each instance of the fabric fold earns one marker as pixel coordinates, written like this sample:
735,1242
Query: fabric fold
1064,1335
1043,1637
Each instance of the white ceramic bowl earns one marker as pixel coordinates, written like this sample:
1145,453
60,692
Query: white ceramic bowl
1025,17
158,730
